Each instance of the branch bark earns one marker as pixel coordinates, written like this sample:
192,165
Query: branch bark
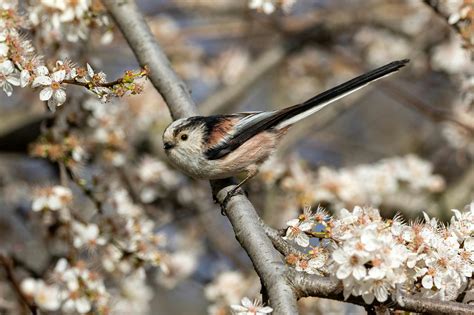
313,285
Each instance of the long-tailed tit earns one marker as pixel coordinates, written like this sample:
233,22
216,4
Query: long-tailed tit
221,146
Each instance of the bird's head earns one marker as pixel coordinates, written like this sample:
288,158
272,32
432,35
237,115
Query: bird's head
184,138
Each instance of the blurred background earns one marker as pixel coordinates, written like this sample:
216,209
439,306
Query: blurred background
404,144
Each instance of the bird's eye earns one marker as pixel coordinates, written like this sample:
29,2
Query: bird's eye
184,137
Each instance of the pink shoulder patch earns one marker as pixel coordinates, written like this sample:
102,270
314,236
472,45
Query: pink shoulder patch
220,130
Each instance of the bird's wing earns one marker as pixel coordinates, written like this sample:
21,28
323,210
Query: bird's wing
246,125
227,134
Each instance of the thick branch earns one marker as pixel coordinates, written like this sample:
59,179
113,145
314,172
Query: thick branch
312,285
240,211
266,260
280,244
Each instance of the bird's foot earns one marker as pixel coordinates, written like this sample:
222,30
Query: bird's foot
227,198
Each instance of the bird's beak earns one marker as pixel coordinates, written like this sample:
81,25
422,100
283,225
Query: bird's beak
168,145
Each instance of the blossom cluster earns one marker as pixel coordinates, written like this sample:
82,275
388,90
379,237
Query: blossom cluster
372,184
269,6
461,13
120,238
69,20
20,65
376,258
73,289
455,60
228,289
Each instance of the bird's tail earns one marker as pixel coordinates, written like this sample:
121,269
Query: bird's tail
291,115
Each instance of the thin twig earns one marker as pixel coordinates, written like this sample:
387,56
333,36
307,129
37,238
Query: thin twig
88,192
435,6
7,264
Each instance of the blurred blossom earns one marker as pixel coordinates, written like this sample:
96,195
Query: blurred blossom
87,235
134,295
228,288
157,177
266,6
47,297
452,57
179,266
363,184
67,20
269,6
459,137
381,46
52,198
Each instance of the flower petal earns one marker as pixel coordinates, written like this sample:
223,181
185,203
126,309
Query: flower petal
302,240
60,96
24,78
46,94
42,71
359,272
6,67
59,76
246,302
13,80
41,80
340,256
7,88
427,282
343,272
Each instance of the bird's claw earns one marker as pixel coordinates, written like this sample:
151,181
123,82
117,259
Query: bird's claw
227,198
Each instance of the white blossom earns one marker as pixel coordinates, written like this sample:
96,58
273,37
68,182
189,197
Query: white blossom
248,307
53,92
52,198
47,297
8,77
296,231
87,235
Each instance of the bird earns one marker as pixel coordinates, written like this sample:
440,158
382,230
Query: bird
221,146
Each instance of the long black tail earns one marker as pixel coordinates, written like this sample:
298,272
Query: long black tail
288,116
295,113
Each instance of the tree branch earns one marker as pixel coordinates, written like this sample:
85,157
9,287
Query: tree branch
313,285
149,53
242,215
267,261
435,6
279,243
